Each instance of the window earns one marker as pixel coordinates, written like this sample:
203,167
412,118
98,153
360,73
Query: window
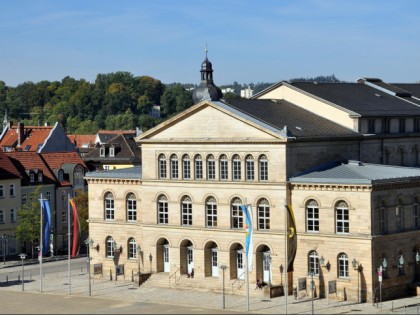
198,167
40,177
343,266
132,253
60,175
263,214
110,247
342,218
398,218
263,168
186,167
102,151
78,176
31,177
249,167
211,167
63,217
162,166
109,206
382,220
371,126
12,215
236,167
1,191
211,212
386,122
174,166
237,215
223,167
48,195
24,199
112,151
416,124
1,216
313,263
12,190
416,215
163,210
106,167
312,216
131,207
402,125
186,211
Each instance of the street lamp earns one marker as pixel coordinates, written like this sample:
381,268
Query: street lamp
223,267
269,271
382,268
89,244
311,273
23,256
138,256
358,267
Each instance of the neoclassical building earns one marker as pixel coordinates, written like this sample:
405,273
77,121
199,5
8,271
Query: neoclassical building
319,149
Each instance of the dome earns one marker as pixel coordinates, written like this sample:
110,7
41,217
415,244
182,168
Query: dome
207,90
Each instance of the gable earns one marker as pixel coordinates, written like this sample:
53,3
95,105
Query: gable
210,123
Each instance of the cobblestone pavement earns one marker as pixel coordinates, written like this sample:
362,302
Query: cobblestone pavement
57,282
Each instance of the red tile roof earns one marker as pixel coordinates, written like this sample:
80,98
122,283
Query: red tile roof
55,160
82,140
7,169
33,136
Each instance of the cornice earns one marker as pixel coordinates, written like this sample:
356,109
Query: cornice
115,181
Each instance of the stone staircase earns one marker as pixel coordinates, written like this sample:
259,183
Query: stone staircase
206,284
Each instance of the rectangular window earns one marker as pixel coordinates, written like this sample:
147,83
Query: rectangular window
382,220
263,170
1,216
371,126
163,212
40,177
112,151
312,219
211,169
249,165
63,217
12,190
342,220
223,169
24,199
386,122
313,263
109,208
416,125
12,215
236,169
237,217
174,168
131,210
343,266
186,213
263,217
186,170
162,167
402,125
198,169
1,191
102,152
48,195
211,212
31,177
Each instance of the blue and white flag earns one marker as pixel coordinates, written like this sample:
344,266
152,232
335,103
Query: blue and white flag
46,226
249,238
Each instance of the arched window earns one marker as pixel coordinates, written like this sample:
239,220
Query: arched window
249,168
109,206
312,216
162,166
236,167
263,214
343,266
211,167
198,167
382,220
110,247
399,217
131,207
132,254
186,167
313,263
211,212
237,215
416,215
263,168
342,221
223,165
174,166
186,211
163,214
78,176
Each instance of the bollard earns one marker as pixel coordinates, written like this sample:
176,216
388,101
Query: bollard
132,276
392,308
417,309
7,279
110,275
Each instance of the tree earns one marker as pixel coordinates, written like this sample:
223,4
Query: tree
29,227
82,204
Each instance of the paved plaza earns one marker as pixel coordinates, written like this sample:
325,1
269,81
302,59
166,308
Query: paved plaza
60,296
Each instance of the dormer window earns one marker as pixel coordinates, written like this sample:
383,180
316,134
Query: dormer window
112,151
60,175
102,151
31,177
40,177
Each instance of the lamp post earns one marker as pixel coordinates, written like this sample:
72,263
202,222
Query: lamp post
3,239
356,266
150,260
401,264
269,271
311,273
23,256
380,270
138,256
281,274
223,267
89,244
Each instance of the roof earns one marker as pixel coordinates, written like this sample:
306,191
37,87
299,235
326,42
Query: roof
7,169
122,173
413,88
299,122
355,172
82,141
33,137
360,98
104,136
55,160
25,161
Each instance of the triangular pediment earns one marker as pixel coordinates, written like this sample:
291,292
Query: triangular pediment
214,121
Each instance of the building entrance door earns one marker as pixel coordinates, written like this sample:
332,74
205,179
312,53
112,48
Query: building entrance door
166,264
240,264
214,263
267,267
190,259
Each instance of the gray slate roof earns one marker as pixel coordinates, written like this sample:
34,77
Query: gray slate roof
355,172
280,113
121,173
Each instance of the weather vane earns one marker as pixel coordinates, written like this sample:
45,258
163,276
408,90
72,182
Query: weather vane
206,50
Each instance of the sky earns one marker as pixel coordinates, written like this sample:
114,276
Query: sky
247,40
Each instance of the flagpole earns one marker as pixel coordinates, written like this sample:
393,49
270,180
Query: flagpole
40,244
286,291
69,242
247,283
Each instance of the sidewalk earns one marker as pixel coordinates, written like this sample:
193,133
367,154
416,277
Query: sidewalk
57,283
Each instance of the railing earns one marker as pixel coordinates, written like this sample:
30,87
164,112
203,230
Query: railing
238,282
174,276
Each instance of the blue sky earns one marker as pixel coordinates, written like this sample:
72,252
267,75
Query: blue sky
248,41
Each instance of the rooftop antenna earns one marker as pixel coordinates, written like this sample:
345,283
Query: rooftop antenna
206,50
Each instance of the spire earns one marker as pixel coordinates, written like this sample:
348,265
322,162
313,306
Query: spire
207,89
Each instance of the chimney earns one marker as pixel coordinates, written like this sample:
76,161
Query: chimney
20,133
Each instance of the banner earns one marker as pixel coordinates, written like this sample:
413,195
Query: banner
249,237
292,238
46,226
76,230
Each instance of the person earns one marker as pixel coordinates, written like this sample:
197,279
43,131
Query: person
259,284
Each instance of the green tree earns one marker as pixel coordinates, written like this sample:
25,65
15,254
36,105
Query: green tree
29,227
82,204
